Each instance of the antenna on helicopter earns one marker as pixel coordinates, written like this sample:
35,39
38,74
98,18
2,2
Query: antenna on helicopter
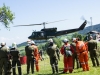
91,24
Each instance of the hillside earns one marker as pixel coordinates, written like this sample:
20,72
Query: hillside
87,29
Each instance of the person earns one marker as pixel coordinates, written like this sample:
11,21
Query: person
67,51
92,47
32,56
51,51
75,56
15,55
41,54
4,53
82,54
36,55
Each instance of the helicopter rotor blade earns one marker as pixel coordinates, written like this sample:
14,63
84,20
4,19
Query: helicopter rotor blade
27,25
56,21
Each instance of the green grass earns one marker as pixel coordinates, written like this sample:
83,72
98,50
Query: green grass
45,69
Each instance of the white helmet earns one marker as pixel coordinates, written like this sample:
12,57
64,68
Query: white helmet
32,42
14,45
74,39
28,41
50,40
3,43
65,40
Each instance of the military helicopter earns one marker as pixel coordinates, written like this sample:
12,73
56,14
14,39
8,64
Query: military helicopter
47,33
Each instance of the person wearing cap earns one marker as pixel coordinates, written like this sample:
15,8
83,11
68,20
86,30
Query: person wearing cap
15,55
51,51
92,47
67,51
82,54
4,53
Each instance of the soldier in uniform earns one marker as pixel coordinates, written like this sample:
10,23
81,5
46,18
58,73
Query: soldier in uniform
75,56
31,53
3,58
51,51
92,47
15,59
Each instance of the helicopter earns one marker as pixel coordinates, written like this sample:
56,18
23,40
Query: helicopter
47,33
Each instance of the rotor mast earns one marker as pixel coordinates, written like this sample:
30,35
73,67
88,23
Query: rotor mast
44,24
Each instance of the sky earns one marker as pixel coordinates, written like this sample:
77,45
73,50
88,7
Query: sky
39,11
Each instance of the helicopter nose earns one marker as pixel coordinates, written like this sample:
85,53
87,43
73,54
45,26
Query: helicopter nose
30,37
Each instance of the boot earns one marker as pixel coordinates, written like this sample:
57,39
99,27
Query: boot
53,70
57,70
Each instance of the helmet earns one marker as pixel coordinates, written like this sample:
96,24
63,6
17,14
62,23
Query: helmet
65,40
74,39
32,42
28,41
50,40
14,45
3,43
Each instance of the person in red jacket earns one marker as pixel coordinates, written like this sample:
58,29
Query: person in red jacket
67,51
82,53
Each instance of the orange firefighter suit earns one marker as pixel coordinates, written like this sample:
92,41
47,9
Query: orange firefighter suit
36,55
68,61
82,53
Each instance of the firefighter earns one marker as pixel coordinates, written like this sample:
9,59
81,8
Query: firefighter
15,59
3,58
92,47
82,53
51,51
36,55
67,51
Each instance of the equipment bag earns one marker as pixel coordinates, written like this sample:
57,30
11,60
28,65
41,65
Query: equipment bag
67,50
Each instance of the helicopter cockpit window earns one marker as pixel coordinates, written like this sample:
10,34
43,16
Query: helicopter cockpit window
42,34
32,34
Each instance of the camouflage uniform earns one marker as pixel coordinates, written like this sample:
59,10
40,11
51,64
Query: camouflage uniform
30,58
3,59
92,47
75,56
51,51
15,60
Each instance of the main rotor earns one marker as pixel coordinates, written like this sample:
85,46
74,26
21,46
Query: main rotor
44,23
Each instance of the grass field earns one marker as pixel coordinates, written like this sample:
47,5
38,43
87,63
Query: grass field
45,69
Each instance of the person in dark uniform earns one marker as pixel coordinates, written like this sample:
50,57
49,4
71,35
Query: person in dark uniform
51,51
3,58
29,49
15,59
75,58
92,48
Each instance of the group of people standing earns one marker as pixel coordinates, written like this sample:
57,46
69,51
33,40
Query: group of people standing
78,50
9,57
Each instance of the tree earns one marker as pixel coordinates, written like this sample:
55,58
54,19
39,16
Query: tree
6,16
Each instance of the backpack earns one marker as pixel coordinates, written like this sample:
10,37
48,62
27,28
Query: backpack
67,50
